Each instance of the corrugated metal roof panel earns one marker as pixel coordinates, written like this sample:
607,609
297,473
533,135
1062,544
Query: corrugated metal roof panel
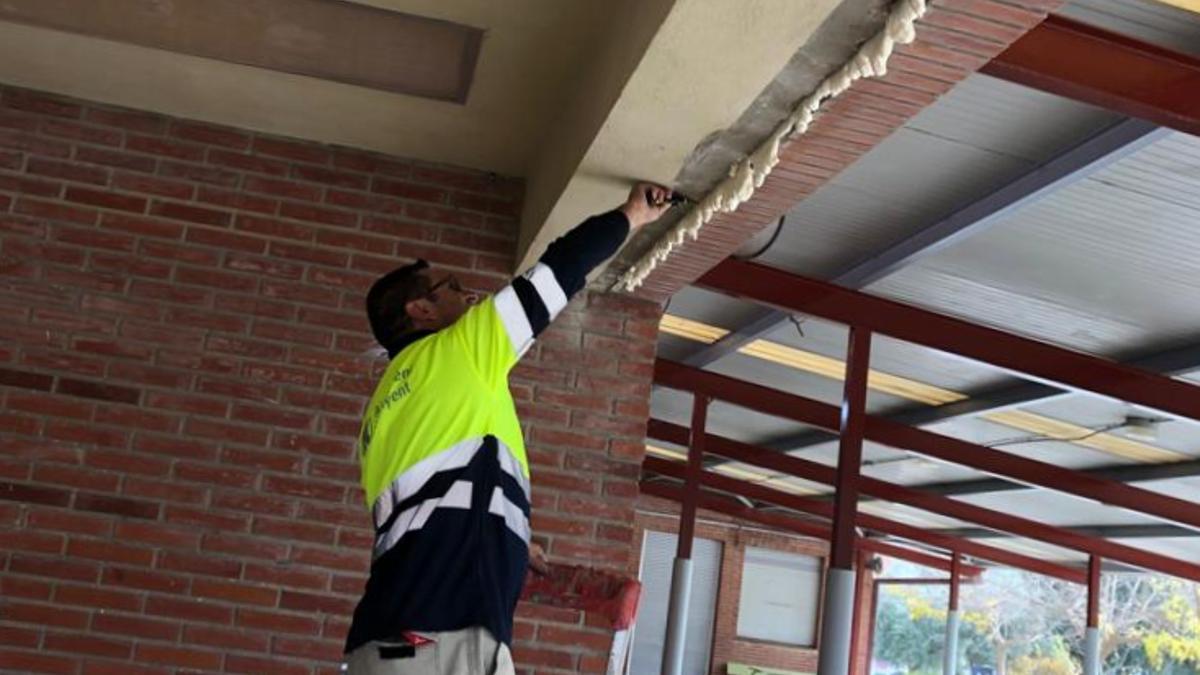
981,135
1183,548
1105,265
890,355
1178,435
1055,508
723,419
1036,549
992,114
712,308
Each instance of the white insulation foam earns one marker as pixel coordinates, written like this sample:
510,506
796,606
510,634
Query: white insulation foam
748,175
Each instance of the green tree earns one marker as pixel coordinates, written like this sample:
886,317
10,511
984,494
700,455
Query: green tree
1024,623
913,641
1176,637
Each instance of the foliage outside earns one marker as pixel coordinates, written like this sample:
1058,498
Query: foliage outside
1018,623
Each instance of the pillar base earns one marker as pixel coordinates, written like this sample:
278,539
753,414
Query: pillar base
1091,651
677,613
836,623
950,653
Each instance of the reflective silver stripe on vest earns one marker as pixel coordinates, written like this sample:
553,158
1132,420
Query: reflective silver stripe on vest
406,484
546,285
415,517
514,518
453,457
512,315
457,497
512,467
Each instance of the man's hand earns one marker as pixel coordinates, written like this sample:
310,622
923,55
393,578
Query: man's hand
646,204
538,560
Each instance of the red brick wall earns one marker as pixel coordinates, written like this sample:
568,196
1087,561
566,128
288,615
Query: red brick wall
181,372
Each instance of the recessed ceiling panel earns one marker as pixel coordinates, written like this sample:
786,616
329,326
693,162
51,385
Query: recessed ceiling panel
328,39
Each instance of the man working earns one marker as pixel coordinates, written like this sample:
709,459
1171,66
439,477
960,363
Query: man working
442,456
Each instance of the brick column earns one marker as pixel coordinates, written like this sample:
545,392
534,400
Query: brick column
583,395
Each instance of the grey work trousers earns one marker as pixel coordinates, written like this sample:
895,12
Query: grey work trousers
471,651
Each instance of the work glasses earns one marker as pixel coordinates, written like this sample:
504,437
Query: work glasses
450,282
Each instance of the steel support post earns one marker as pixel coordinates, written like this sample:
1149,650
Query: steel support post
1091,636
837,620
681,575
950,655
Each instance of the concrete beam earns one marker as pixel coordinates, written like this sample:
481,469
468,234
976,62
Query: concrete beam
672,74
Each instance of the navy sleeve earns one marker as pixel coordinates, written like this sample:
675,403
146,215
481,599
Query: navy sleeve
575,254
528,305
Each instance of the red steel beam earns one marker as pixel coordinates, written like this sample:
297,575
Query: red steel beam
732,507
925,559
794,293
1050,534
825,509
1106,69
1093,591
955,580
695,464
894,434
824,474
996,520
853,422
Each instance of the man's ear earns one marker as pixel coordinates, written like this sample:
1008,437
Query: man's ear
421,310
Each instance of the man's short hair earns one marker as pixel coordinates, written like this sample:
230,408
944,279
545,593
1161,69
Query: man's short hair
387,299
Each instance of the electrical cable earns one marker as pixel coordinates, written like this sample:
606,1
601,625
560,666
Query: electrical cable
766,247
798,322
1048,439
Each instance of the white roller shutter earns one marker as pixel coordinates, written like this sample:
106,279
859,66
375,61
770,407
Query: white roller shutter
779,598
658,558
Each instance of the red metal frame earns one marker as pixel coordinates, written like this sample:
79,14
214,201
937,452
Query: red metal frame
923,559
731,507
691,484
862,585
853,419
1093,599
874,616
794,293
1106,69
955,579
896,435
1057,536
825,509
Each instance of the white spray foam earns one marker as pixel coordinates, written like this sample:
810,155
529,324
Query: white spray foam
748,175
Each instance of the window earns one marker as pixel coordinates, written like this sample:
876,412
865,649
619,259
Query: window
658,559
780,595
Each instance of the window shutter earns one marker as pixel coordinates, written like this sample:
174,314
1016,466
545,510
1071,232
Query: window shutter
658,560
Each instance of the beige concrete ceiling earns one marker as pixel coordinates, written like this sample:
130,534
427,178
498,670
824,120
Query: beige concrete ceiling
579,97
531,51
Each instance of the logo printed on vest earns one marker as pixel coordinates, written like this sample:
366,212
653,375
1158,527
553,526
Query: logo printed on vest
401,387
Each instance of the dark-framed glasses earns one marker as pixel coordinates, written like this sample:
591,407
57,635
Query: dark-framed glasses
450,282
